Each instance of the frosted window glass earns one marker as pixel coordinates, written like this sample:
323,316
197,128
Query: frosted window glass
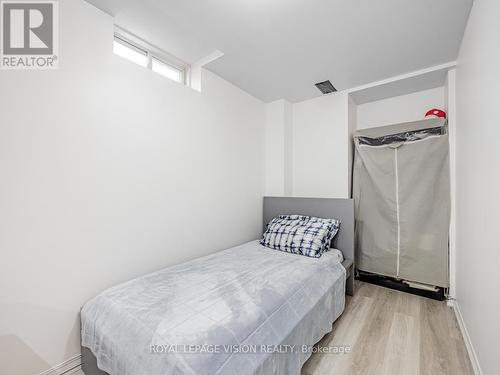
166,70
130,53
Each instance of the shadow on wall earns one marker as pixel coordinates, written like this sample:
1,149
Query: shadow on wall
14,352
39,325
75,332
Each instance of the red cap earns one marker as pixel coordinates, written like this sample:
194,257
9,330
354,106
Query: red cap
434,112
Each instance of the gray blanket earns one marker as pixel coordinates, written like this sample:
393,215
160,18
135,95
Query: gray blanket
245,310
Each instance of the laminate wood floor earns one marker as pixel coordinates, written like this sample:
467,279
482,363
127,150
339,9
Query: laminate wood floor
391,332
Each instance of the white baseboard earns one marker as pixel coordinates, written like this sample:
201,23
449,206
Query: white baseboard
468,343
72,366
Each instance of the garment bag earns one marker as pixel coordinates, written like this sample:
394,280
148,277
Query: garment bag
401,190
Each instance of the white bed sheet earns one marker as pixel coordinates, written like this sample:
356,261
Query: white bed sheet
337,254
246,295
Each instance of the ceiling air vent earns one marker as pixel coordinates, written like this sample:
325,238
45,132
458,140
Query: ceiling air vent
325,87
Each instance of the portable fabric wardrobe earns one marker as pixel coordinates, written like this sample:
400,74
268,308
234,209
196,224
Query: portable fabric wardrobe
401,189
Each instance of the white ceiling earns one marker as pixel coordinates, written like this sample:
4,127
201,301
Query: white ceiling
402,85
278,49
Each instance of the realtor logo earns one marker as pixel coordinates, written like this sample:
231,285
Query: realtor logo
29,35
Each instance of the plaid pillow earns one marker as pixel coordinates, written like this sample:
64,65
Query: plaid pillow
297,234
333,224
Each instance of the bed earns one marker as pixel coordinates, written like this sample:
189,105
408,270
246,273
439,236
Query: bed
244,310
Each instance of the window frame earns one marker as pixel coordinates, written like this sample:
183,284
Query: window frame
133,47
161,62
153,52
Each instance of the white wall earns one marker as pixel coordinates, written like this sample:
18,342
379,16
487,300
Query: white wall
275,149
307,148
110,171
410,107
478,182
289,167
279,148
320,149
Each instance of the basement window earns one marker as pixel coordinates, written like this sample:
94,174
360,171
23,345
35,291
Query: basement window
134,49
130,52
166,70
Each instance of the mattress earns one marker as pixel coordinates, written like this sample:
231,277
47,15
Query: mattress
244,310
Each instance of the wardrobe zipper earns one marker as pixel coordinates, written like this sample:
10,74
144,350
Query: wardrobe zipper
397,208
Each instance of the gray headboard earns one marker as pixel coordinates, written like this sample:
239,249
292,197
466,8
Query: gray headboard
342,209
